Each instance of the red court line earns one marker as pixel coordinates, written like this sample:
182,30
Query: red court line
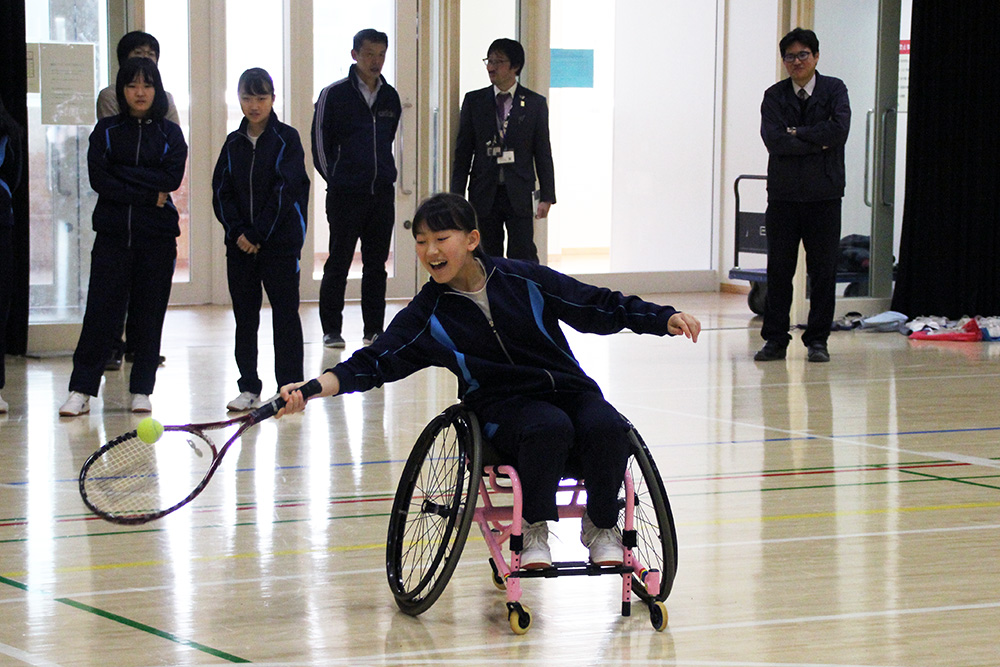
823,471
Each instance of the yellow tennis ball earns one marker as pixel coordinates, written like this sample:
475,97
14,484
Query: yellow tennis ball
149,430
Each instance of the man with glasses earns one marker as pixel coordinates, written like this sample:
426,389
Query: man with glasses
503,140
804,123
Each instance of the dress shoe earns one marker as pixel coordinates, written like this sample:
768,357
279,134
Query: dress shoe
772,351
818,352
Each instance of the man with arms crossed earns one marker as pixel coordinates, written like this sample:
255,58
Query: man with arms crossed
804,123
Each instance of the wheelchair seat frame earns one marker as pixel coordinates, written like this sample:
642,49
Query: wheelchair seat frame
436,503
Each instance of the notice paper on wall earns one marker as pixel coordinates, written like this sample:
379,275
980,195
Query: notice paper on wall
65,76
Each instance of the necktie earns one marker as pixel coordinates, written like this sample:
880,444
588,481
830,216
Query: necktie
501,106
803,98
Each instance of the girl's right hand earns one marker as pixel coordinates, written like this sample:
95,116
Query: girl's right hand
161,199
246,246
293,400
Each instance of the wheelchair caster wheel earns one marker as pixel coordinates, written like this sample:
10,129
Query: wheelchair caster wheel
497,580
658,616
519,617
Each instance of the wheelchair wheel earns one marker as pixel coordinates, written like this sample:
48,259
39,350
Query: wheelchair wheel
757,298
656,538
433,509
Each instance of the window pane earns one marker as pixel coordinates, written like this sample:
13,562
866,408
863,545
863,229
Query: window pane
167,20
61,198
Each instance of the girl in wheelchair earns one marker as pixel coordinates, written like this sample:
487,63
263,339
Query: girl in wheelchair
494,323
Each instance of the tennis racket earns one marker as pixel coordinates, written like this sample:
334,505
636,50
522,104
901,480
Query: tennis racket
130,481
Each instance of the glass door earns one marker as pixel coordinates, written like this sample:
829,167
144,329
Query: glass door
635,167
305,45
860,44
335,22
64,37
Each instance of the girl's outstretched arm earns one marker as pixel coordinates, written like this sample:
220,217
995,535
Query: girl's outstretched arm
293,397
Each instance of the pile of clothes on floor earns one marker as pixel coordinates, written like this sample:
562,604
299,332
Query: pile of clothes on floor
965,330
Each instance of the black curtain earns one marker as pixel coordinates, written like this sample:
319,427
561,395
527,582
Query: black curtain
949,259
13,88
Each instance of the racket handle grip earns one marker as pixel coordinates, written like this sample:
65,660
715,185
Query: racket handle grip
271,408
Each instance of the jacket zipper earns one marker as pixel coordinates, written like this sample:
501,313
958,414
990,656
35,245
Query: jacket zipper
374,145
253,161
502,346
138,145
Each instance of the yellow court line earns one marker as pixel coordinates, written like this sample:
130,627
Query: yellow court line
824,515
473,538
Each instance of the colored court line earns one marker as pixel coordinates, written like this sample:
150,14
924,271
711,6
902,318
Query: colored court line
4,578
842,440
791,437
469,565
840,513
134,624
903,467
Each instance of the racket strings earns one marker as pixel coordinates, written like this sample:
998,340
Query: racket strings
133,478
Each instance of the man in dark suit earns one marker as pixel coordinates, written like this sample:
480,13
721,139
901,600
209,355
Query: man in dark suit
503,140
804,123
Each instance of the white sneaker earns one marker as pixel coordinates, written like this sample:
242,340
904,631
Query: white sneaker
366,341
140,403
77,404
535,555
3,406
245,401
605,544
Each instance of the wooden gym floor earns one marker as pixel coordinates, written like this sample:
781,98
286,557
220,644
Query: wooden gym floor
827,514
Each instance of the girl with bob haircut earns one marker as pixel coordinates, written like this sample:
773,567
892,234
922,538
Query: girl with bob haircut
135,160
495,324
260,192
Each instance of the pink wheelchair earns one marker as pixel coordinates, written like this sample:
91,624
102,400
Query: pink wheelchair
449,482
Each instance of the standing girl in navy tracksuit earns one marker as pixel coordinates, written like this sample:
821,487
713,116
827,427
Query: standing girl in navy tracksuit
136,159
495,324
260,193
10,177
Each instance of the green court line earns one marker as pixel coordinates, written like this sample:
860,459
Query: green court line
151,630
135,624
960,480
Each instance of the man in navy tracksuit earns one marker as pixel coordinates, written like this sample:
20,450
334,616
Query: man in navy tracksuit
261,195
353,129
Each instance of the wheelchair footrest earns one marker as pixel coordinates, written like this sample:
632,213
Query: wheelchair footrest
571,569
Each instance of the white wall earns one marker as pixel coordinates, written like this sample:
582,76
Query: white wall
482,22
750,61
664,125
581,124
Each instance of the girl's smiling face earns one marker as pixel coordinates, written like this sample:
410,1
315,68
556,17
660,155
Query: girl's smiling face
448,256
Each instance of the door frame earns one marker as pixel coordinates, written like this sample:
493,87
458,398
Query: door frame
209,128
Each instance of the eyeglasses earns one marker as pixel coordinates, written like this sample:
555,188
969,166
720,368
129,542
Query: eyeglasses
494,61
792,57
